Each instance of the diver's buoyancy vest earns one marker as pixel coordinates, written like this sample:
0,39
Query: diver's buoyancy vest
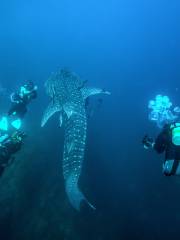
175,128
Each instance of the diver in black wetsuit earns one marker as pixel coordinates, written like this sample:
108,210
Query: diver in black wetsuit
168,142
10,137
21,99
9,145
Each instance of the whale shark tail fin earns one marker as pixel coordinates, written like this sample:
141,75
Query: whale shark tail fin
75,196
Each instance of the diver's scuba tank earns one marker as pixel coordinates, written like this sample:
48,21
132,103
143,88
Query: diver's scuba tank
175,128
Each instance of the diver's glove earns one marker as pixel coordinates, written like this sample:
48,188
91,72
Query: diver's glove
148,142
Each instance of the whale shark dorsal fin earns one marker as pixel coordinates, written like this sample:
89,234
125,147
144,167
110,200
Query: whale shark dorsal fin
88,91
50,110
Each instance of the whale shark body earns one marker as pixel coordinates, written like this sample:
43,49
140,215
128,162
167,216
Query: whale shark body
68,96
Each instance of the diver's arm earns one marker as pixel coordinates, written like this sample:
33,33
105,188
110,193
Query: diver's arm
159,144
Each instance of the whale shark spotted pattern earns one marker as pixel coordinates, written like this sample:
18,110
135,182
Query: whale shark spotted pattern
68,96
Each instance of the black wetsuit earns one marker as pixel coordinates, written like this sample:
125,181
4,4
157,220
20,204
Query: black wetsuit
163,143
20,107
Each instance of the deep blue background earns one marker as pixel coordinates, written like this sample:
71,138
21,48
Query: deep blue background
132,49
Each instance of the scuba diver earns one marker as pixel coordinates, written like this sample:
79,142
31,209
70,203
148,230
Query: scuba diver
21,99
168,142
9,145
10,137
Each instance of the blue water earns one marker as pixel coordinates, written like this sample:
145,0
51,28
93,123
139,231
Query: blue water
130,48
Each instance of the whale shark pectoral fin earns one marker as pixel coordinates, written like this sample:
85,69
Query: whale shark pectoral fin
87,92
50,110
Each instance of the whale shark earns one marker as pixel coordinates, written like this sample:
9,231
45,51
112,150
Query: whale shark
68,95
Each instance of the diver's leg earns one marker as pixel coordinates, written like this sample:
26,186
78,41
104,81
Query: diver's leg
167,167
178,170
171,167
